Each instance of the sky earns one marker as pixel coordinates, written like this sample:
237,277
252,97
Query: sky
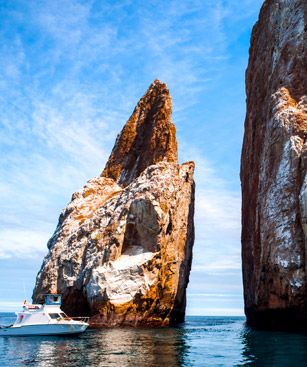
71,73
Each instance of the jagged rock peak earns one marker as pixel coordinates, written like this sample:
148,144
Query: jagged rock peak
122,250
274,169
148,137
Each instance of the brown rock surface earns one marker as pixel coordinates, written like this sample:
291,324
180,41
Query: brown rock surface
148,137
122,249
273,169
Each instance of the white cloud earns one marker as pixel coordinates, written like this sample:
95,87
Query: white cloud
225,265
217,218
10,306
50,153
215,311
67,92
22,243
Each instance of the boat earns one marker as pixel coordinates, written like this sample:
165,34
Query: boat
45,319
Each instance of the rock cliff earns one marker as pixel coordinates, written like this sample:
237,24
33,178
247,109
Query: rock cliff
274,167
122,249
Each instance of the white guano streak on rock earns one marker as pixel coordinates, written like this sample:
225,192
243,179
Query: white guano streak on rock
283,33
303,206
276,201
122,278
84,246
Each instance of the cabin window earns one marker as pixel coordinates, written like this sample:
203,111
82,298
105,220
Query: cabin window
54,315
63,315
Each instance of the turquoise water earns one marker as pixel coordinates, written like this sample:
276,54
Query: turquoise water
201,341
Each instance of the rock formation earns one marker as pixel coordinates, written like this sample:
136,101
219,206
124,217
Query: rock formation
122,249
274,167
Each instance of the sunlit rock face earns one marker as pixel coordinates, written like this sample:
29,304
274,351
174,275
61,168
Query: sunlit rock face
122,249
273,169
148,137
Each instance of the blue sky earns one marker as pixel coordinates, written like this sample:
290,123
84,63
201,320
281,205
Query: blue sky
71,73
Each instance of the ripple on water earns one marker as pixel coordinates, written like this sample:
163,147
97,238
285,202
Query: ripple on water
201,341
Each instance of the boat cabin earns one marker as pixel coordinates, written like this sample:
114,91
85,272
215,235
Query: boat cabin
49,312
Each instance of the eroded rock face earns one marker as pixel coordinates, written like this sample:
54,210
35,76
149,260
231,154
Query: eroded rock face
148,137
273,169
122,249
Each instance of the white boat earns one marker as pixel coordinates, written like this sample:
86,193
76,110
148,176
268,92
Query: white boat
46,319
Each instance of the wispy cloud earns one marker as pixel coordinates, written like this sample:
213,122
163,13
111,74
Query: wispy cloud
9,306
217,217
23,243
215,311
71,74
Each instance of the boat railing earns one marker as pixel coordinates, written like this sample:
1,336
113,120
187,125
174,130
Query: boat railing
79,318
32,307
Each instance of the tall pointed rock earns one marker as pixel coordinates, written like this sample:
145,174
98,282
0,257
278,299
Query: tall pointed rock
274,168
148,137
122,250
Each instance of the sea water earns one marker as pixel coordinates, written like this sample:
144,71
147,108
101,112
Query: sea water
200,341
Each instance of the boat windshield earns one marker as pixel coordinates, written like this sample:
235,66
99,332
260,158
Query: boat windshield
54,315
63,315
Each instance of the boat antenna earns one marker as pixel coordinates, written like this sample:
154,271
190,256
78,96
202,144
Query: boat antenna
24,292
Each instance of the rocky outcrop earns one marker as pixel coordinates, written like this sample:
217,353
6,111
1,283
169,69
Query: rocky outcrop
274,167
122,249
148,137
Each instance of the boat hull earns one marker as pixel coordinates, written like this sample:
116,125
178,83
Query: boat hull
50,329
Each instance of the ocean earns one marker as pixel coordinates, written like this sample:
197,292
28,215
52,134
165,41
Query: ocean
200,341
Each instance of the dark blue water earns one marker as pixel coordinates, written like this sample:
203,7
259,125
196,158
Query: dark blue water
201,341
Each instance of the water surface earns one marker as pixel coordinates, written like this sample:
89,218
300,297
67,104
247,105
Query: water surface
201,341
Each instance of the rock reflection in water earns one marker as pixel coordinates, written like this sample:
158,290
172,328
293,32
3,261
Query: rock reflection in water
269,348
104,347
134,347
201,341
